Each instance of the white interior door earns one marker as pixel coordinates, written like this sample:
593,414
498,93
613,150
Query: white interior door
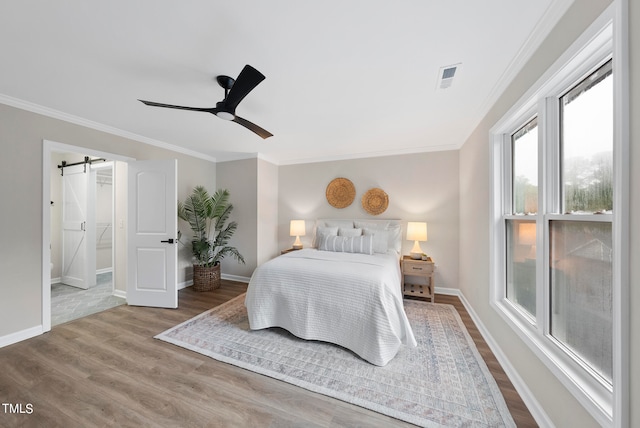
78,227
152,256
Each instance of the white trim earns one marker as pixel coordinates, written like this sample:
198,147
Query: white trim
545,24
48,147
185,284
534,407
236,278
597,44
621,209
19,336
225,276
103,270
120,293
447,291
57,114
364,155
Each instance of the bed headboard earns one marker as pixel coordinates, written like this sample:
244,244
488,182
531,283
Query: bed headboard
392,226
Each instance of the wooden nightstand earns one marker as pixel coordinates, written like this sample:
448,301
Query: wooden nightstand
421,268
288,250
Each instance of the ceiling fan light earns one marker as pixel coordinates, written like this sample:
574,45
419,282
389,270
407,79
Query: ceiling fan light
225,115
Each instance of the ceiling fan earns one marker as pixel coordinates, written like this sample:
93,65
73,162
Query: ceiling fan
234,91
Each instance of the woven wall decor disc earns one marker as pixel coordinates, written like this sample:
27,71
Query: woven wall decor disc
375,201
341,192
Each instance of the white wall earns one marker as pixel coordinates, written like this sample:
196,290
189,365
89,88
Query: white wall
421,187
634,280
267,211
104,221
561,407
21,139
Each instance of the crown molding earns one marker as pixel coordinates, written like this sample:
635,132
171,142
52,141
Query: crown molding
77,120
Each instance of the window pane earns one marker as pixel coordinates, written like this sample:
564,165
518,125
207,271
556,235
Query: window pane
525,169
587,144
581,285
521,264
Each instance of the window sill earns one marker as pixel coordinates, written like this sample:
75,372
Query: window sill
593,395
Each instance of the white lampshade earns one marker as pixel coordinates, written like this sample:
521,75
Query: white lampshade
297,228
416,231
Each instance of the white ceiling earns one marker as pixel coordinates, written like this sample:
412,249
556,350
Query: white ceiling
344,79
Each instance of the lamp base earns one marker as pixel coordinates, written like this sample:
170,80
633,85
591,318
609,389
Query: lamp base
297,244
415,256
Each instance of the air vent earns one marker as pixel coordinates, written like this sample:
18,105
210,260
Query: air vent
446,75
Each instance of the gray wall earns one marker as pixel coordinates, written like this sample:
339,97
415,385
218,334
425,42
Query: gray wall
21,136
268,193
241,179
253,185
558,403
421,187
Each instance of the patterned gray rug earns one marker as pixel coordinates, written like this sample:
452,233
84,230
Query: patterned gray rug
442,382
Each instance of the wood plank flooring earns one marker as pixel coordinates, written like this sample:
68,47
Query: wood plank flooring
107,370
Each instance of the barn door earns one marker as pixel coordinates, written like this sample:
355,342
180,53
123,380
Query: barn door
78,227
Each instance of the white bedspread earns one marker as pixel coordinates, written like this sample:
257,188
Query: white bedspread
352,300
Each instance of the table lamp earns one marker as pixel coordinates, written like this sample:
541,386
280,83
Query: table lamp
297,229
416,231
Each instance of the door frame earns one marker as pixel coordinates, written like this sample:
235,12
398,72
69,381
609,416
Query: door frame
48,147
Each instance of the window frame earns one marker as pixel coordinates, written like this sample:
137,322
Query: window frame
606,403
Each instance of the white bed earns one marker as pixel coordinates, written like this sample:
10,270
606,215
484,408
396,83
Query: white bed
349,299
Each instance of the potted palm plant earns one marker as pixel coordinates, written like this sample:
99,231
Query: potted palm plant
207,216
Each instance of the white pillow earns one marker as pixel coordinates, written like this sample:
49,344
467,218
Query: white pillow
336,223
349,232
393,228
395,238
380,239
324,231
344,244
380,224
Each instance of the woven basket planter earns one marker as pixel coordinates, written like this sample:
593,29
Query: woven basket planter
206,278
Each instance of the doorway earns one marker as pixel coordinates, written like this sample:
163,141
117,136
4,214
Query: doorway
82,236
103,237
145,227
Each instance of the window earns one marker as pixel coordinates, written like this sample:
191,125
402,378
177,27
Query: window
581,252
553,230
587,144
521,263
524,146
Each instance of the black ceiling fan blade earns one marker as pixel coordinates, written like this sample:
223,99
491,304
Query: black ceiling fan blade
248,79
154,104
252,127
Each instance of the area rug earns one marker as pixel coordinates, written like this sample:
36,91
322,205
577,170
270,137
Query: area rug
442,382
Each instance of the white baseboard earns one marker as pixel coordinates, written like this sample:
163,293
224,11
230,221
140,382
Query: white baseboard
19,336
530,401
185,284
447,291
56,280
120,293
235,278
104,270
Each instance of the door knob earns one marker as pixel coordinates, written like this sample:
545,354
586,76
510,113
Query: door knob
169,241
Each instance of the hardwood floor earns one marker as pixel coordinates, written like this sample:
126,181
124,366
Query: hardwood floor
107,370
